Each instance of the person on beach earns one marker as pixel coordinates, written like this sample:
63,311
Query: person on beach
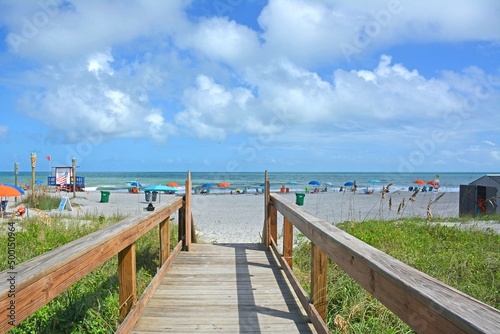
355,186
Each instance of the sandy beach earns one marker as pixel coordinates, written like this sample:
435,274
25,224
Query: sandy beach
239,218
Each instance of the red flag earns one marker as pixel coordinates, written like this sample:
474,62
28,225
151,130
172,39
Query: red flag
48,157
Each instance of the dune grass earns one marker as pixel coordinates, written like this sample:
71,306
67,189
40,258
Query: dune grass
468,260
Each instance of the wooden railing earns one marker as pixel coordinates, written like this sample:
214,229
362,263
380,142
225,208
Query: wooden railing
424,303
39,280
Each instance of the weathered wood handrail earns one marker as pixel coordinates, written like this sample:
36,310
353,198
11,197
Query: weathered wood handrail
424,303
41,279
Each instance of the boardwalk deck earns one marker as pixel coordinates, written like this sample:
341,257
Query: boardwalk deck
224,288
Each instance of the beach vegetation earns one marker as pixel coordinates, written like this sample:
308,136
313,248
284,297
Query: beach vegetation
41,200
91,304
466,259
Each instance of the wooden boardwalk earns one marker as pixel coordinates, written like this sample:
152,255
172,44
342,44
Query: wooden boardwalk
224,288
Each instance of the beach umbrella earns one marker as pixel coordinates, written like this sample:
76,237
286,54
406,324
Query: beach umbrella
9,191
432,182
38,182
173,184
419,182
314,183
134,184
14,186
373,183
224,185
348,184
207,185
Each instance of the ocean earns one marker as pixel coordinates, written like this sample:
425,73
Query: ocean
450,182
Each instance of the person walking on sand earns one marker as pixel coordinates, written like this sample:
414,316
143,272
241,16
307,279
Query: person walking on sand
355,186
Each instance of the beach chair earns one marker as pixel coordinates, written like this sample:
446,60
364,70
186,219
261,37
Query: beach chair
3,206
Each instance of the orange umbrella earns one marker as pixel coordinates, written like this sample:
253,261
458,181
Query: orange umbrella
173,184
8,191
431,182
224,185
419,182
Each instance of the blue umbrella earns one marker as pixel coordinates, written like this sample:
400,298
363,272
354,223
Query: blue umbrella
14,186
134,184
349,183
38,182
314,183
374,181
207,185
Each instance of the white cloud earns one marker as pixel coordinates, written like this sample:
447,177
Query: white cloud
308,32
100,61
490,143
4,131
213,111
222,40
68,29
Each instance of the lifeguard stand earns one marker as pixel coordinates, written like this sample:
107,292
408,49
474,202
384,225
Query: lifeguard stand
63,179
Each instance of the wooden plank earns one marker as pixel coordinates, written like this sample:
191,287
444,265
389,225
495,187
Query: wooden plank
318,280
129,322
232,296
420,300
127,282
44,277
288,242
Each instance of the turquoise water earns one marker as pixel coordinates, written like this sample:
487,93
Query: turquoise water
449,181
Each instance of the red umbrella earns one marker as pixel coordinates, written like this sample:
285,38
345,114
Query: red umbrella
419,182
173,184
224,185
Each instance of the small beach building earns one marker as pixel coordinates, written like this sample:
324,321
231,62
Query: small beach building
480,196
63,179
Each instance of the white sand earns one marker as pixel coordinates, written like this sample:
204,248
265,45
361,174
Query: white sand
239,218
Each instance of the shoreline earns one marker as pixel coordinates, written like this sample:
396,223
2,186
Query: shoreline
222,218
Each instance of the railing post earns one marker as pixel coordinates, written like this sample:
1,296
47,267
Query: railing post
265,229
164,232
127,283
187,213
182,223
273,223
288,242
318,279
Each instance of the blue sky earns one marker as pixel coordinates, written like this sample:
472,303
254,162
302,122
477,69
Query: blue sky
282,85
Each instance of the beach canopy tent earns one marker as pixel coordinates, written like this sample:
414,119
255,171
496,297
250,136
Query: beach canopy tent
161,187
